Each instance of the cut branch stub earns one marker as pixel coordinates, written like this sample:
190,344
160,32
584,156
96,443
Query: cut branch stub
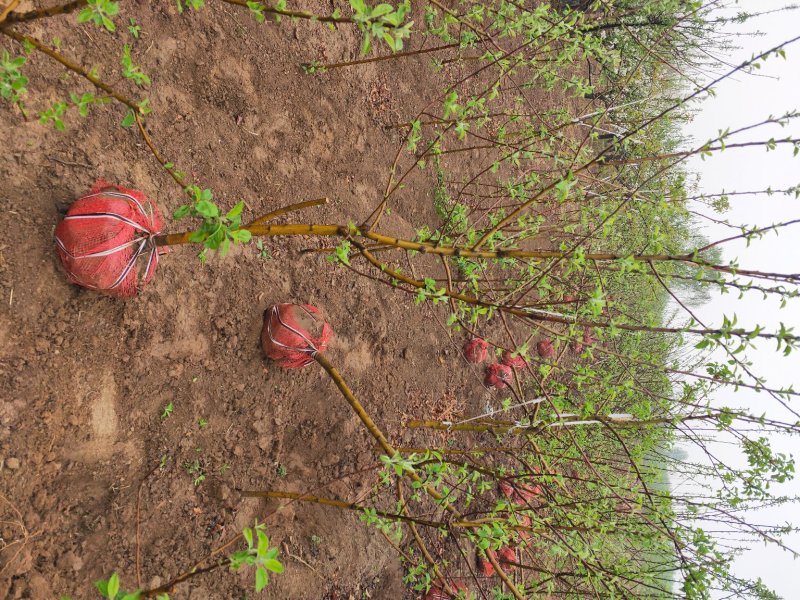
293,334
103,236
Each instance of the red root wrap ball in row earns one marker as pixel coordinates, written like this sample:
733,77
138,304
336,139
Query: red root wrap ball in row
294,333
545,349
498,376
505,556
588,339
103,236
476,350
437,593
519,492
509,359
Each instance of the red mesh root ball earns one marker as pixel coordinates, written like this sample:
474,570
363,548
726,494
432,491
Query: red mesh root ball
588,339
518,492
498,376
510,360
293,334
545,349
475,350
524,521
103,236
462,591
504,556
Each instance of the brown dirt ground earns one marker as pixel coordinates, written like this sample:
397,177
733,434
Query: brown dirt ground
84,378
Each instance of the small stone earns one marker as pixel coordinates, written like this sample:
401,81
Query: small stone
40,587
12,463
70,560
330,460
224,492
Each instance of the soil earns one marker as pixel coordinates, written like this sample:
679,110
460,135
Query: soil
84,379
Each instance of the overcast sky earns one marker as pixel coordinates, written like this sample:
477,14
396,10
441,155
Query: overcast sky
741,101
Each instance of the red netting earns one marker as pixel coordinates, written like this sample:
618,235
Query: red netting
437,593
524,521
293,334
509,359
498,376
518,492
504,556
475,350
545,349
588,339
103,236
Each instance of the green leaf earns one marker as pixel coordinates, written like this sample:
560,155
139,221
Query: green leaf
242,235
129,119
181,211
343,252
273,565
381,9
263,543
236,210
206,209
248,536
198,236
113,586
358,6
102,587
216,238
262,578
366,45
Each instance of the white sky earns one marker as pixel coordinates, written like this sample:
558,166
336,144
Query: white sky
738,102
